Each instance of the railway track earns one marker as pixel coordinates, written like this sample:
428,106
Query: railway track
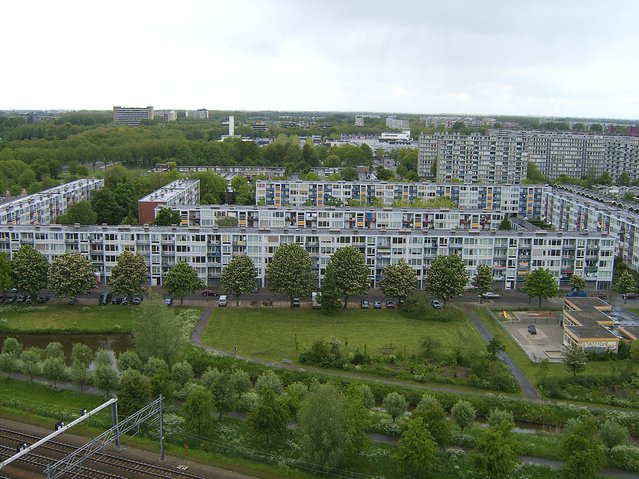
101,466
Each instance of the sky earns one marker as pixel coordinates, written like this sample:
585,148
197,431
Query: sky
554,58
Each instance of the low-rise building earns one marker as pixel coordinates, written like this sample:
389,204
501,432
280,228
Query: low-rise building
179,192
585,323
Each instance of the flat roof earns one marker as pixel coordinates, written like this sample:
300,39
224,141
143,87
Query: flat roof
588,312
169,191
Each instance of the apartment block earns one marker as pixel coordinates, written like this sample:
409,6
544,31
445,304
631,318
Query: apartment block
521,200
42,208
511,254
392,122
179,192
125,115
255,217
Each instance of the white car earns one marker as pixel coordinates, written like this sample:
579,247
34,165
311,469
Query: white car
490,295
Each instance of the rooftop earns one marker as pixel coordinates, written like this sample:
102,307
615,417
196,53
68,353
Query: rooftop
169,191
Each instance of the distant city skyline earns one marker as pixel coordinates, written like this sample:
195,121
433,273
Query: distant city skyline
542,58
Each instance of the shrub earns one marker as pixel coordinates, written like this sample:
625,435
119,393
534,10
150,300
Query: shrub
624,457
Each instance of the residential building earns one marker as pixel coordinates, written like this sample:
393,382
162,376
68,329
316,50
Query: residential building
396,123
200,114
359,120
166,115
42,208
125,115
179,192
585,323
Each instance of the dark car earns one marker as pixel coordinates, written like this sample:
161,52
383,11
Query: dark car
20,298
532,329
630,295
28,300
10,299
209,292
116,300
390,304
125,300
136,300
42,298
296,303
168,300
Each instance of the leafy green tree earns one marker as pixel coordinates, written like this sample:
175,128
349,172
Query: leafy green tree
30,361
9,363
238,277
29,270
167,217
500,416
626,283
483,281
623,179
494,347
129,360
54,350
212,187
347,267
80,374
105,378
398,281
574,358
430,410
359,414
134,391
540,283
447,277
71,275
81,353
634,350
182,373
5,272
198,410
613,434
505,224
158,331
395,404
329,298
582,450
182,279
577,283
269,417
325,435
416,450
269,380
81,213
53,369
495,454
12,346
244,194
129,275
107,207
463,414
290,272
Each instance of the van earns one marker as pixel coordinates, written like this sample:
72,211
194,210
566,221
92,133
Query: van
222,300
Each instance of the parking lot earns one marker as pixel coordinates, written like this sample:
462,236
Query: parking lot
546,343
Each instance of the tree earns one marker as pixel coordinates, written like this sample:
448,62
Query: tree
398,281
9,363
578,283
167,217
483,280
290,272
198,410
430,410
613,434
269,380
5,272
574,358
81,213
129,360
347,267
105,378
494,347
463,414
395,404
624,179
12,346
29,269
81,353
182,279
626,283
158,331
505,224
447,277
54,350
416,448
181,373
30,363
582,450
71,275
540,283
325,436
329,297
238,277
53,370
129,275
269,417
80,374
495,454
134,391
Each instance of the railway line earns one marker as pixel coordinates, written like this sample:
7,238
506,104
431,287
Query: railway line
99,466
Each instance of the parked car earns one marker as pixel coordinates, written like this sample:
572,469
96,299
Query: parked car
490,295
364,304
296,303
28,300
42,298
125,300
168,300
20,298
116,300
435,303
532,329
390,304
222,301
10,299
209,292
377,305
630,295
105,297
136,300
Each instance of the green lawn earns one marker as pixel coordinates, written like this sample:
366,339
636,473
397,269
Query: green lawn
277,334
66,319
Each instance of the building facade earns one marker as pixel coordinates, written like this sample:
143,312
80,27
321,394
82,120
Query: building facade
42,208
125,115
179,192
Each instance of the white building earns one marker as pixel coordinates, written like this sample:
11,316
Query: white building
179,192
126,115
396,123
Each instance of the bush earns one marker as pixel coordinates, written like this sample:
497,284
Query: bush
624,457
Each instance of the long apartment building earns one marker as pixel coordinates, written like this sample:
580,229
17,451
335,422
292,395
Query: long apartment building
511,254
132,115
178,192
349,218
42,208
495,157
521,200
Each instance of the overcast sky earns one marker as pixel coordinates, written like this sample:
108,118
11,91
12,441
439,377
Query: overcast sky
539,57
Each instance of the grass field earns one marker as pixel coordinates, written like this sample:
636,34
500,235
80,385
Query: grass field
67,319
277,334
